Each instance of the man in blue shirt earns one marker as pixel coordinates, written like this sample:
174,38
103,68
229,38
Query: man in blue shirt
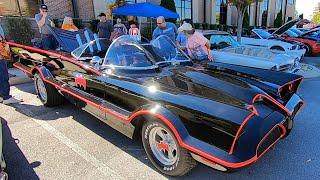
165,28
44,21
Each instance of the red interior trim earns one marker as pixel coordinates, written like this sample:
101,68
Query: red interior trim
18,66
284,131
57,55
239,130
291,82
273,101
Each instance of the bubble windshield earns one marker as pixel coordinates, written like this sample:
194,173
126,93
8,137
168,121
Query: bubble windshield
166,50
126,51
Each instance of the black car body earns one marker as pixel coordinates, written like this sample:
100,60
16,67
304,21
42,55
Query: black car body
224,116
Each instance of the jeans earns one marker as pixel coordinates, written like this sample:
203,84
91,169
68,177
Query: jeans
48,42
4,80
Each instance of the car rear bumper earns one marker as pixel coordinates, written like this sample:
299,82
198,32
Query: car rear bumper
279,126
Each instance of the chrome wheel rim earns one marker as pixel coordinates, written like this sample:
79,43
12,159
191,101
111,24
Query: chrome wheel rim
41,89
163,146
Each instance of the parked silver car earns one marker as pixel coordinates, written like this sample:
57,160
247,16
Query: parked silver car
226,49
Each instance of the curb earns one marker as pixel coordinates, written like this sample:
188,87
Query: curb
18,77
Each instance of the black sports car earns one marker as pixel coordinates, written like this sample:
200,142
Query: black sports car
221,115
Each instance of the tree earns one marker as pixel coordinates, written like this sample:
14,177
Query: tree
241,6
169,4
246,19
316,17
301,16
278,21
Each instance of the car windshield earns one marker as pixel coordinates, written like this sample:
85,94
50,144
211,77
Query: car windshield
292,34
126,51
220,41
314,32
165,50
262,33
297,31
96,47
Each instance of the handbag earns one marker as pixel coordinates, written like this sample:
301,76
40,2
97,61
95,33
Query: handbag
5,52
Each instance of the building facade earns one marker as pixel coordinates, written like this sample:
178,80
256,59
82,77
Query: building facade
200,11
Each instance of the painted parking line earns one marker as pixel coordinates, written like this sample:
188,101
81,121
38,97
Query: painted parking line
106,170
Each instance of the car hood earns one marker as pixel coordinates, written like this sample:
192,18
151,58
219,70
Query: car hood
285,27
209,85
262,54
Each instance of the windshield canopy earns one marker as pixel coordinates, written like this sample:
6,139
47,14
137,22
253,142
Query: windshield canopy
220,41
125,51
166,50
96,47
262,33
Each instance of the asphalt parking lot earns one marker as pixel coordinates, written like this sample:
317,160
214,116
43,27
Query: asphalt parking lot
67,143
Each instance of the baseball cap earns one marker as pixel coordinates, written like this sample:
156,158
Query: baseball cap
43,6
102,14
185,27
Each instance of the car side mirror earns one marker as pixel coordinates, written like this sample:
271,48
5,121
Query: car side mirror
96,60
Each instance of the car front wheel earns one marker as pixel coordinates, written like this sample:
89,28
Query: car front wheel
47,93
163,150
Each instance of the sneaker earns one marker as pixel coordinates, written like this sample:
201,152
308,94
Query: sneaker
11,100
1,99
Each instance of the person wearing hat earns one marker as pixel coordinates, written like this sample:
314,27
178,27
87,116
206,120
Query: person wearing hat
197,45
104,27
44,21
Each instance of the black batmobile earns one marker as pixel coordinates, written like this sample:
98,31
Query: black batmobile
221,115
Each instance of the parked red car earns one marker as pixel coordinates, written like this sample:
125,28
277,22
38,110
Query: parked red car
311,42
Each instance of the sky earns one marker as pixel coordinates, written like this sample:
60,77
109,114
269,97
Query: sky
306,7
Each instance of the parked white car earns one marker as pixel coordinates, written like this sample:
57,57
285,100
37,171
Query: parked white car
262,38
226,49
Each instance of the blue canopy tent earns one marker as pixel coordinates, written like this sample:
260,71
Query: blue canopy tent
144,10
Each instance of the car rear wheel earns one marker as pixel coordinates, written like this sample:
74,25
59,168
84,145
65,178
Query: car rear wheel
47,93
164,151
308,50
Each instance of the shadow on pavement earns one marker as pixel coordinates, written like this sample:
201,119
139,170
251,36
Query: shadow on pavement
18,166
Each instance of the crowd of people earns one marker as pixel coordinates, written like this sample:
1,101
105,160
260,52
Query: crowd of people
190,41
105,27
185,37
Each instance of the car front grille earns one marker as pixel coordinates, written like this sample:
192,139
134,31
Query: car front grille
268,140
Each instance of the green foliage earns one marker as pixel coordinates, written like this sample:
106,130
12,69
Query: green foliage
241,5
196,25
205,26
316,17
213,27
278,21
169,4
20,30
246,19
120,3
301,16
